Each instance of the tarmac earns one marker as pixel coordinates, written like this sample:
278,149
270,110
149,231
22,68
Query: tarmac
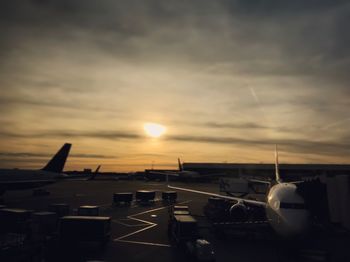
139,232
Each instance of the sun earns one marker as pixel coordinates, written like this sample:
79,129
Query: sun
154,130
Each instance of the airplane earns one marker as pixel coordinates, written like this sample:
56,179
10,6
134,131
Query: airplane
20,179
181,173
285,208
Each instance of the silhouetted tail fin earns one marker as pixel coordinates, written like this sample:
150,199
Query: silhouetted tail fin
56,164
180,165
92,177
278,178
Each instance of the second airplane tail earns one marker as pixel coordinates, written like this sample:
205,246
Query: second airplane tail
180,165
277,174
92,177
57,162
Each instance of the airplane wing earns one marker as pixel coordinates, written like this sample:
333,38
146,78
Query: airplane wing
249,201
259,181
297,182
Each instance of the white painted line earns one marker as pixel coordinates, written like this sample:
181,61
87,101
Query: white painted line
151,225
144,243
128,225
133,233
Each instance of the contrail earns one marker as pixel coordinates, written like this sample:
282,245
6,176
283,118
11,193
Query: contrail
256,98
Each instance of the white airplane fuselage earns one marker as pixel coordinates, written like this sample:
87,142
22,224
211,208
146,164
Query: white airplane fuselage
286,211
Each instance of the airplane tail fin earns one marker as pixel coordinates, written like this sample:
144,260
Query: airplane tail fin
277,173
93,175
57,162
180,165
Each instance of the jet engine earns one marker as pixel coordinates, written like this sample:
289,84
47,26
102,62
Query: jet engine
239,211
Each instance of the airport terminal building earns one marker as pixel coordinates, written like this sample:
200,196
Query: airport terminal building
268,170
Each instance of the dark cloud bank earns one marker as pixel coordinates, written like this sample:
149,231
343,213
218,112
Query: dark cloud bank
332,148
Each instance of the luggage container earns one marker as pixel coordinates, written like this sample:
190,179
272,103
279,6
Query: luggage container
181,212
123,198
15,221
183,228
181,208
200,250
88,211
145,195
44,223
178,210
169,196
61,209
217,209
77,229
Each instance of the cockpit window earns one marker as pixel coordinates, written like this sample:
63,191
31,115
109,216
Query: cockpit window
292,205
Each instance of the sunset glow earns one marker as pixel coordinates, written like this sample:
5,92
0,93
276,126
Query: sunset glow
154,130
210,81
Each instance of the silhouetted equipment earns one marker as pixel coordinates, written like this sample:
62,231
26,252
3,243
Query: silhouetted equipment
15,221
40,192
217,209
44,223
169,196
179,208
125,197
200,250
183,228
77,229
338,188
145,195
315,194
56,164
181,212
234,185
61,209
88,211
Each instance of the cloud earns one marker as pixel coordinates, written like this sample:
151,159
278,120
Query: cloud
331,148
288,145
257,68
73,134
42,155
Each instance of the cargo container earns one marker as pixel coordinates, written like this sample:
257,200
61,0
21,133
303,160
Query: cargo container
61,209
200,250
88,211
181,208
169,196
15,221
183,228
44,222
145,195
122,198
84,229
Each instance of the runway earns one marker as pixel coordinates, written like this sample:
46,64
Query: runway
139,232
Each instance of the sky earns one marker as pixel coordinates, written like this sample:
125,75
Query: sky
228,80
